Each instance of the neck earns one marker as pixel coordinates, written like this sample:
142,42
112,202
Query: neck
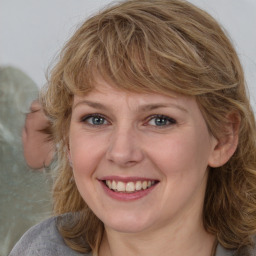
177,240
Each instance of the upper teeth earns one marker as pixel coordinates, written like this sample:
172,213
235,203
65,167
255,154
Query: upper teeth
129,186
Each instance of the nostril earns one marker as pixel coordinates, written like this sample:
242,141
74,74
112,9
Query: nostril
125,158
124,148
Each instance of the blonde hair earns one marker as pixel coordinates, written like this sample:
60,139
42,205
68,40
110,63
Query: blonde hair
161,46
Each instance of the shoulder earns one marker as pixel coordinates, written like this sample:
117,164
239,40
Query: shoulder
43,240
221,251
244,251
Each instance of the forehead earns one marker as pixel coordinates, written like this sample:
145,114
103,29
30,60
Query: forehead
106,94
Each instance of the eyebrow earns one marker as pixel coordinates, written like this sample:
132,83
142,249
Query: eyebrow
144,108
91,104
150,107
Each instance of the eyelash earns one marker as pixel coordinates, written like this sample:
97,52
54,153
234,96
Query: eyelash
87,117
168,120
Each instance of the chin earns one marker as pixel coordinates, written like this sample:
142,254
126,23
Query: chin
126,228
126,224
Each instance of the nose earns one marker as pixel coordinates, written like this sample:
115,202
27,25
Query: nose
125,148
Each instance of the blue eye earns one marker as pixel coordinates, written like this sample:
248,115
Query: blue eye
95,120
160,120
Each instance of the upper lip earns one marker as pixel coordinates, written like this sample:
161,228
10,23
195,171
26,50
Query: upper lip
127,179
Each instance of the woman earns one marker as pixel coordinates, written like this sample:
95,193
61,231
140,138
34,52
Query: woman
155,135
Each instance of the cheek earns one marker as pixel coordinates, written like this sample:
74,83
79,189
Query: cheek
183,165
181,155
82,156
85,152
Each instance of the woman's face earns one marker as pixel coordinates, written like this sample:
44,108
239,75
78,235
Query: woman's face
140,160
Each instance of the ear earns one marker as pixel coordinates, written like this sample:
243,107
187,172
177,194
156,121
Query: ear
226,144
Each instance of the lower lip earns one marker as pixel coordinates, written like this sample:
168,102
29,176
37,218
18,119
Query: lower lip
127,196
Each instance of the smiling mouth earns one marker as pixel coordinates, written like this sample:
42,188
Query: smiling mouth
129,187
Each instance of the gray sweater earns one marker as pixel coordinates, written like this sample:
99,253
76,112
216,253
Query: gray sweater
45,240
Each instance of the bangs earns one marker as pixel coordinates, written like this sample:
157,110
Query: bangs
119,47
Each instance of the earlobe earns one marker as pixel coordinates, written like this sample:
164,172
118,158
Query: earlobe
226,145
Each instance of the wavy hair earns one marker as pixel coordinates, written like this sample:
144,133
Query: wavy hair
161,46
